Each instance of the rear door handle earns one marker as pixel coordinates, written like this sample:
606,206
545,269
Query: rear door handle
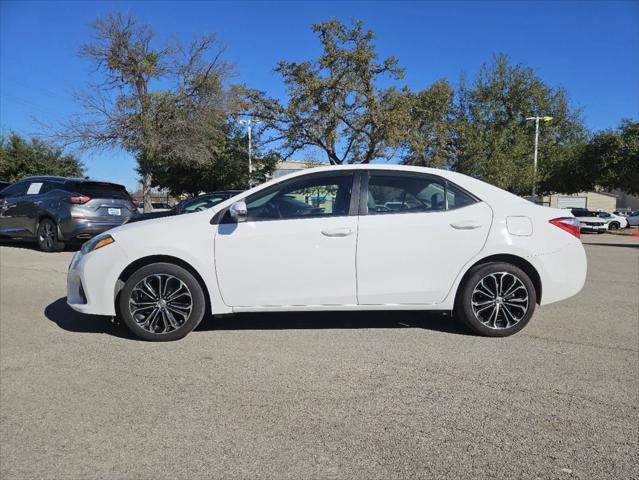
338,232
466,225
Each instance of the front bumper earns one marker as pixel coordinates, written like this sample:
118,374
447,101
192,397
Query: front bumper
92,278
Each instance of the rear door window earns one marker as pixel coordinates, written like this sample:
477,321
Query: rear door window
34,188
411,193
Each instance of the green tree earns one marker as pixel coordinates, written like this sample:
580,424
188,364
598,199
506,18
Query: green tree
182,122
429,142
336,102
224,169
609,161
21,158
494,141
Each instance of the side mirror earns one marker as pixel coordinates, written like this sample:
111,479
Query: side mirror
238,211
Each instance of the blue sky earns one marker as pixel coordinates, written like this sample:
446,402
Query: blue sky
589,48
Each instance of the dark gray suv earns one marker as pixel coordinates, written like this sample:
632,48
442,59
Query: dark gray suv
55,210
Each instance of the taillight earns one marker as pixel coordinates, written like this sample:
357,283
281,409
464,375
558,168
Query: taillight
569,224
79,199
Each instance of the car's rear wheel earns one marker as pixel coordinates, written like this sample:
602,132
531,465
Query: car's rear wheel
47,234
161,302
496,300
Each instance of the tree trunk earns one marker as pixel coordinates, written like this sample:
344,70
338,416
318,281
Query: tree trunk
146,192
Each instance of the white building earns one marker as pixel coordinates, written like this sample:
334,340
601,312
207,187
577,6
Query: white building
591,200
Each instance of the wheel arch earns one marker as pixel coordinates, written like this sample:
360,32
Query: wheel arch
519,262
148,260
48,216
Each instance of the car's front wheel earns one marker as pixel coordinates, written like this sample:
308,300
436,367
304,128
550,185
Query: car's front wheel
47,235
496,300
614,226
161,302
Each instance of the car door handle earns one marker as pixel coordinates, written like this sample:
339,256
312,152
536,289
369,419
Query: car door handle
466,225
338,232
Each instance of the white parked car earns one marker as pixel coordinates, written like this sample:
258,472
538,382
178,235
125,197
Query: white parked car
589,221
455,243
614,222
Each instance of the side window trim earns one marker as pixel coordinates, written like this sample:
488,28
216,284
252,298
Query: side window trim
363,205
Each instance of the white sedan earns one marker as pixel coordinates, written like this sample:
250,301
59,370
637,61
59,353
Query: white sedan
319,240
614,221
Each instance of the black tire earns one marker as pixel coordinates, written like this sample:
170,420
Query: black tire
613,226
160,328
47,236
503,323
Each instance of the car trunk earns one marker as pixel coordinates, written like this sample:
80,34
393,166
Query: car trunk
103,202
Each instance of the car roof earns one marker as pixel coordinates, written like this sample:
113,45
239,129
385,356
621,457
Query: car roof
47,178
55,178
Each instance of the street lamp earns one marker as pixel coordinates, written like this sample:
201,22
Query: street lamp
536,119
249,126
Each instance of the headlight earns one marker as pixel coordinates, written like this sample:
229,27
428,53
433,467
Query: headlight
97,242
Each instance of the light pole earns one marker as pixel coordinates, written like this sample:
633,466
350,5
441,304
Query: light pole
249,126
536,119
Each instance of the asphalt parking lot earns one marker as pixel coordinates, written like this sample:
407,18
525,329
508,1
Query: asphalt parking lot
366,395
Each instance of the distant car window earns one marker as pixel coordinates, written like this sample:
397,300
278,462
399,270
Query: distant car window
49,186
160,205
201,203
98,190
391,193
34,188
315,196
578,212
15,190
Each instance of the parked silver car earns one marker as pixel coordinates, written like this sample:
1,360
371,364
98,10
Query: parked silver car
633,219
55,210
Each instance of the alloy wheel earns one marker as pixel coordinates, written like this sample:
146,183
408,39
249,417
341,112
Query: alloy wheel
47,235
500,300
160,303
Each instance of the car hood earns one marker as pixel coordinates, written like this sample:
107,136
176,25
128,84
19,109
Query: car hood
151,215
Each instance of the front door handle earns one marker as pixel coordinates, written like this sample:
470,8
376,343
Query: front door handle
338,232
466,225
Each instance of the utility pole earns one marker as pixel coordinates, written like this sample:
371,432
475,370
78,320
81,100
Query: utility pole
249,126
536,119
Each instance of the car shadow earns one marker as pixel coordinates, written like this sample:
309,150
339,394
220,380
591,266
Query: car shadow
437,321
68,319
626,245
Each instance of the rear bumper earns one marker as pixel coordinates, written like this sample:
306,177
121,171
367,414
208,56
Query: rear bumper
593,228
82,230
562,273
